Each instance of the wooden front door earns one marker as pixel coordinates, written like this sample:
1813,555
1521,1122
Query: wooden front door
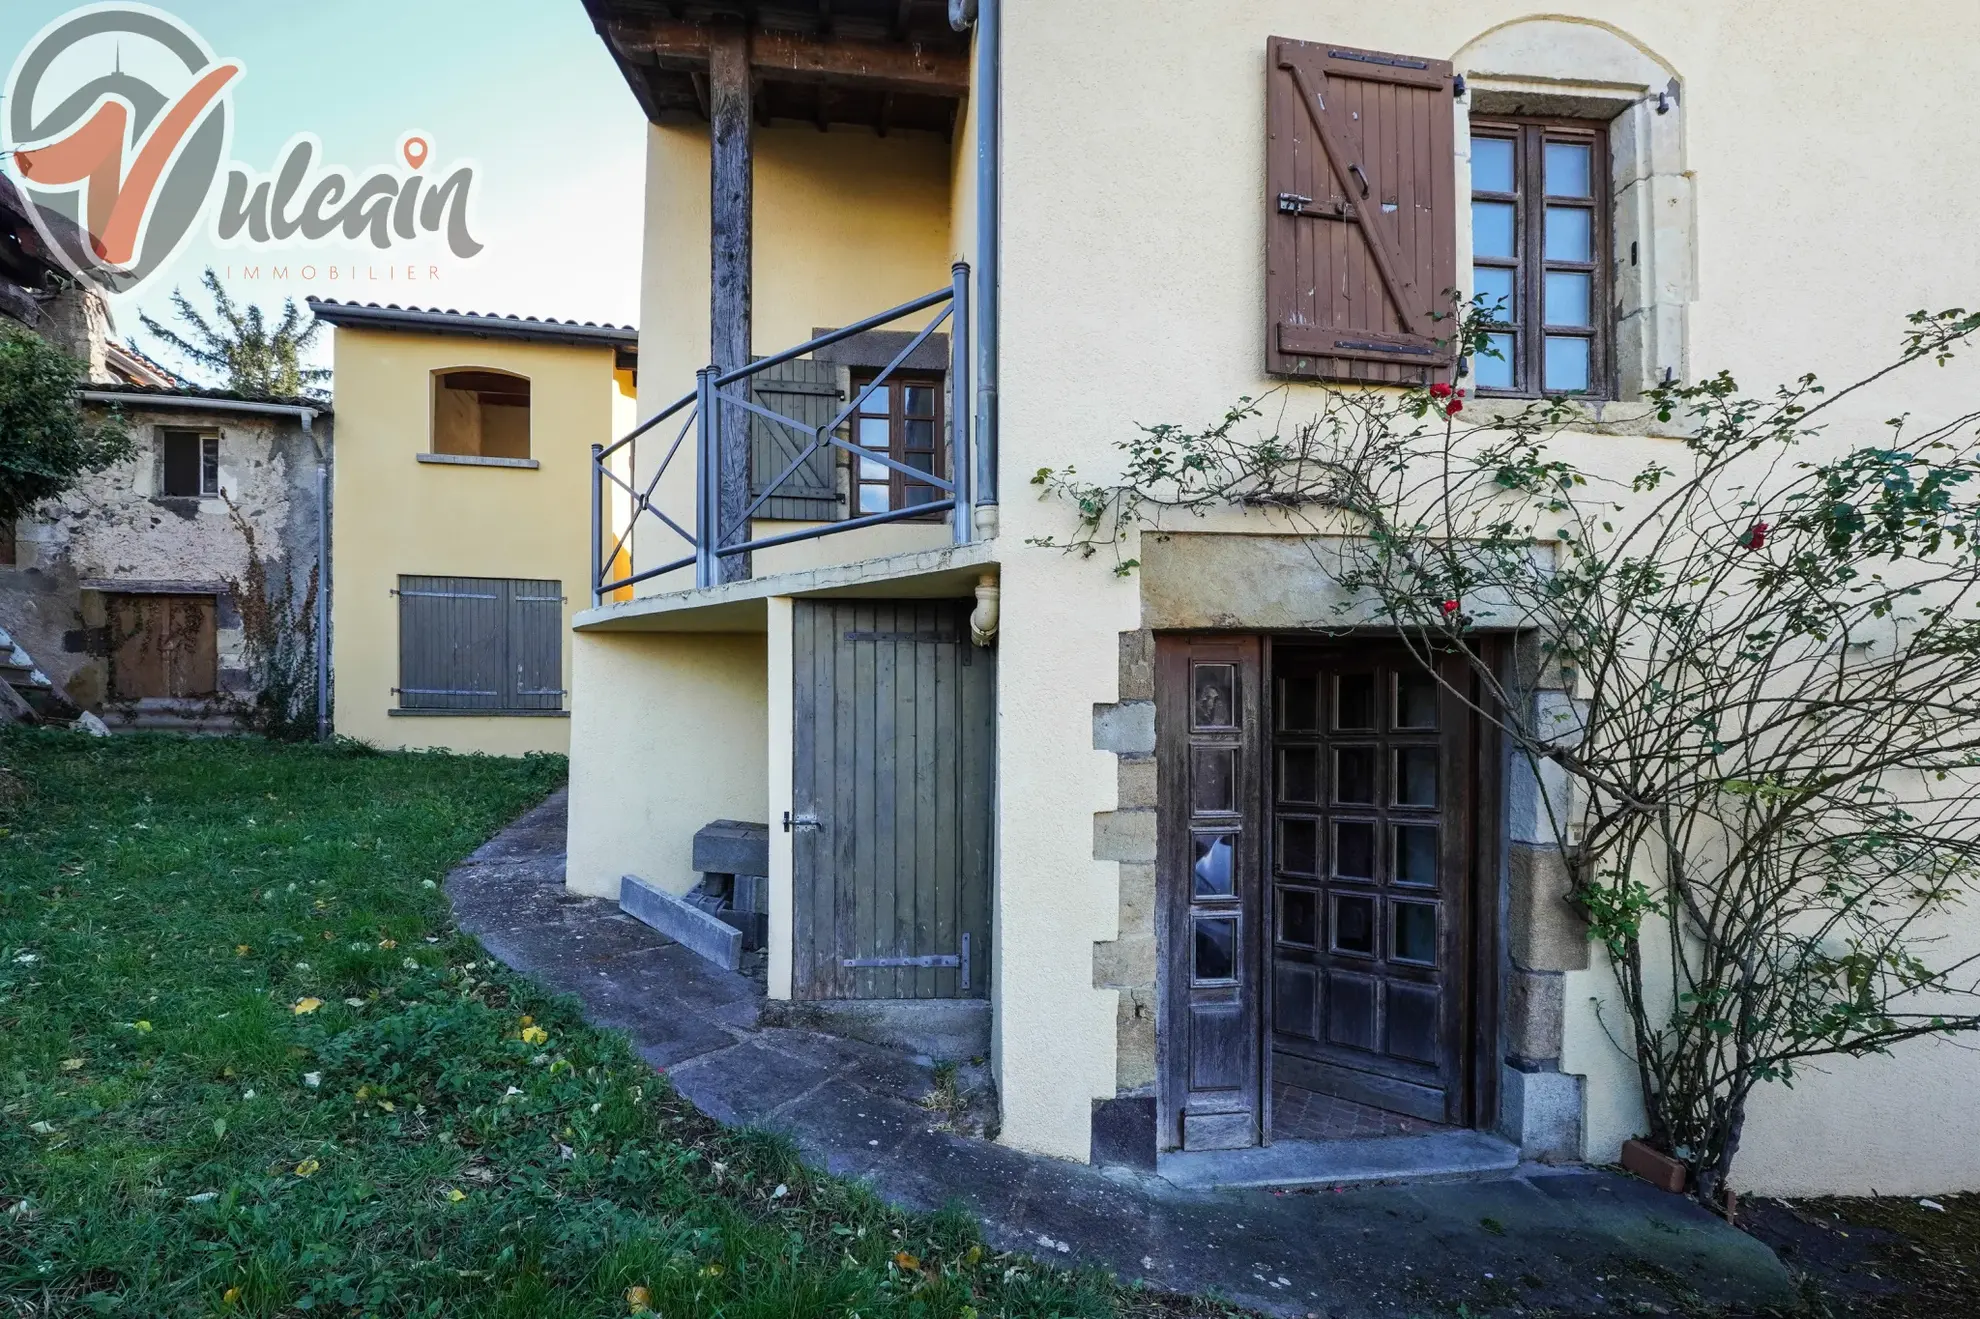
1370,855
893,765
1208,724
163,646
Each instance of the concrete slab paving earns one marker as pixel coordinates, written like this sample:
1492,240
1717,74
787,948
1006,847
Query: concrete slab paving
1569,1242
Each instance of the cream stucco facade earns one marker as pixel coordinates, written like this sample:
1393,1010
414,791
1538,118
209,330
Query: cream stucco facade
1134,244
396,512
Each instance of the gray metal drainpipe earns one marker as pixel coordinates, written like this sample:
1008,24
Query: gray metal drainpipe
322,586
989,231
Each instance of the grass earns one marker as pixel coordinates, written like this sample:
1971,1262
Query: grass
248,1067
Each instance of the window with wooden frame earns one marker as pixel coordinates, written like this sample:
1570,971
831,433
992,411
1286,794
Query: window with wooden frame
1539,245
189,464
901,419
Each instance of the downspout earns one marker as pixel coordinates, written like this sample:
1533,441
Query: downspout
988,17
322,582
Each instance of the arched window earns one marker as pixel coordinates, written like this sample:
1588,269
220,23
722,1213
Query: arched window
480,413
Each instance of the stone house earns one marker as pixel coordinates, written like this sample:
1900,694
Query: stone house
117,594
931,248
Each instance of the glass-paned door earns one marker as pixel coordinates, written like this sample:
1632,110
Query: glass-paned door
1369,867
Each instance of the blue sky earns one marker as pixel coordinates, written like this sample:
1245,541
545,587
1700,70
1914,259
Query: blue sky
522,88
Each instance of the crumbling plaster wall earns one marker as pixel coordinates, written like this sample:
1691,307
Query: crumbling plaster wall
117,527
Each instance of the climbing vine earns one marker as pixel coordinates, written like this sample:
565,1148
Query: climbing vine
1766,643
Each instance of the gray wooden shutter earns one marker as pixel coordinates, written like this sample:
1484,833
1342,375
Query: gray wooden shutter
806,391
451,645
536,652
1362,243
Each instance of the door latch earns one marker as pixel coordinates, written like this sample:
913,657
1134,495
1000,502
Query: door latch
1291,203
792,822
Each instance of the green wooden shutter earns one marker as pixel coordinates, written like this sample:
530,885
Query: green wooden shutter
808,392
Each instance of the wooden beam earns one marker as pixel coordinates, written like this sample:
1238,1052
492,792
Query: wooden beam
798,57
732,198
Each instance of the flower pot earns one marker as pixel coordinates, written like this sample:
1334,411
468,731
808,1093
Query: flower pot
1660,1170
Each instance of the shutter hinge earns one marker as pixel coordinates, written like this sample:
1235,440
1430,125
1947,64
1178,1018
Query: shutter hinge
1458,87
1291,203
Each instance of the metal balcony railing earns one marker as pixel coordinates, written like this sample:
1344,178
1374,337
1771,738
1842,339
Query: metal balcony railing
718,410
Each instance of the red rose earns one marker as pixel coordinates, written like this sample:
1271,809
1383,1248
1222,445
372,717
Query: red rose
1757,537
1450,607
1440,390
1452,408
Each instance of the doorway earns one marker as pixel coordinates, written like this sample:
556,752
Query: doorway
892,779
1328,913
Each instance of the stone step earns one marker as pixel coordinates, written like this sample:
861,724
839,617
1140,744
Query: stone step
1437,1156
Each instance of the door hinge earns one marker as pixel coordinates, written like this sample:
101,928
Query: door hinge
792,822
927,962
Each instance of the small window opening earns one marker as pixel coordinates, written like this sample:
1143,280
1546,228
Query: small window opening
191,465
901,419
481,414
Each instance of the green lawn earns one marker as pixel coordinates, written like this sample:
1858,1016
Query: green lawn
248,1067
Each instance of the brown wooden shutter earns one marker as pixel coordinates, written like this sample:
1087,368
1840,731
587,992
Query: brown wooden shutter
1362,246
806,391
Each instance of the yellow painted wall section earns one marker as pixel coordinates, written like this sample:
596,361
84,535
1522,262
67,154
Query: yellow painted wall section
1133,293
781,698
847,224
668,733
395,515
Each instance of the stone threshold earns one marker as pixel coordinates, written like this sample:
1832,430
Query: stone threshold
1443,1156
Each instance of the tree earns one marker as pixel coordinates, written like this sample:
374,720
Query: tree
46,444
239,346
1766,761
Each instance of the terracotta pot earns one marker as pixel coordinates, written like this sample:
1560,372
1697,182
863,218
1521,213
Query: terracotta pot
1660,1170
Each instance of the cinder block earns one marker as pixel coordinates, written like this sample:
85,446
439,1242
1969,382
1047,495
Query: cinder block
732,847
1545,931
680,921
1127,729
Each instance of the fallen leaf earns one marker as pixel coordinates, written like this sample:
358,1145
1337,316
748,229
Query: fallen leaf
907,1262
388,943
712,1271
42,1128
534,1035
1932,1204
71,1064
308,1168
141,1027
312,1079
527,1022
241,950
456,1194
307,1006
229,1296
639,1300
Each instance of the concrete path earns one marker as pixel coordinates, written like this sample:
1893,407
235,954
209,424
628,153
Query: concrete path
1565,1242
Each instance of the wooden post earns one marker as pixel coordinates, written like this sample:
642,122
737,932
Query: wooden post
731,190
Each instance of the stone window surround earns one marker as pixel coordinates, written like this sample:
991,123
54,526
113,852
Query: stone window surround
1584,70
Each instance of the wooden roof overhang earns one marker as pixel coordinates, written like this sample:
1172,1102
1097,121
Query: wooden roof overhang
877,64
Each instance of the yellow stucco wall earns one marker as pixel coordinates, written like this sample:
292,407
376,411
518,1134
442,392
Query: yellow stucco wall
847,224
1133,293
395,515
1162,300
669,731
